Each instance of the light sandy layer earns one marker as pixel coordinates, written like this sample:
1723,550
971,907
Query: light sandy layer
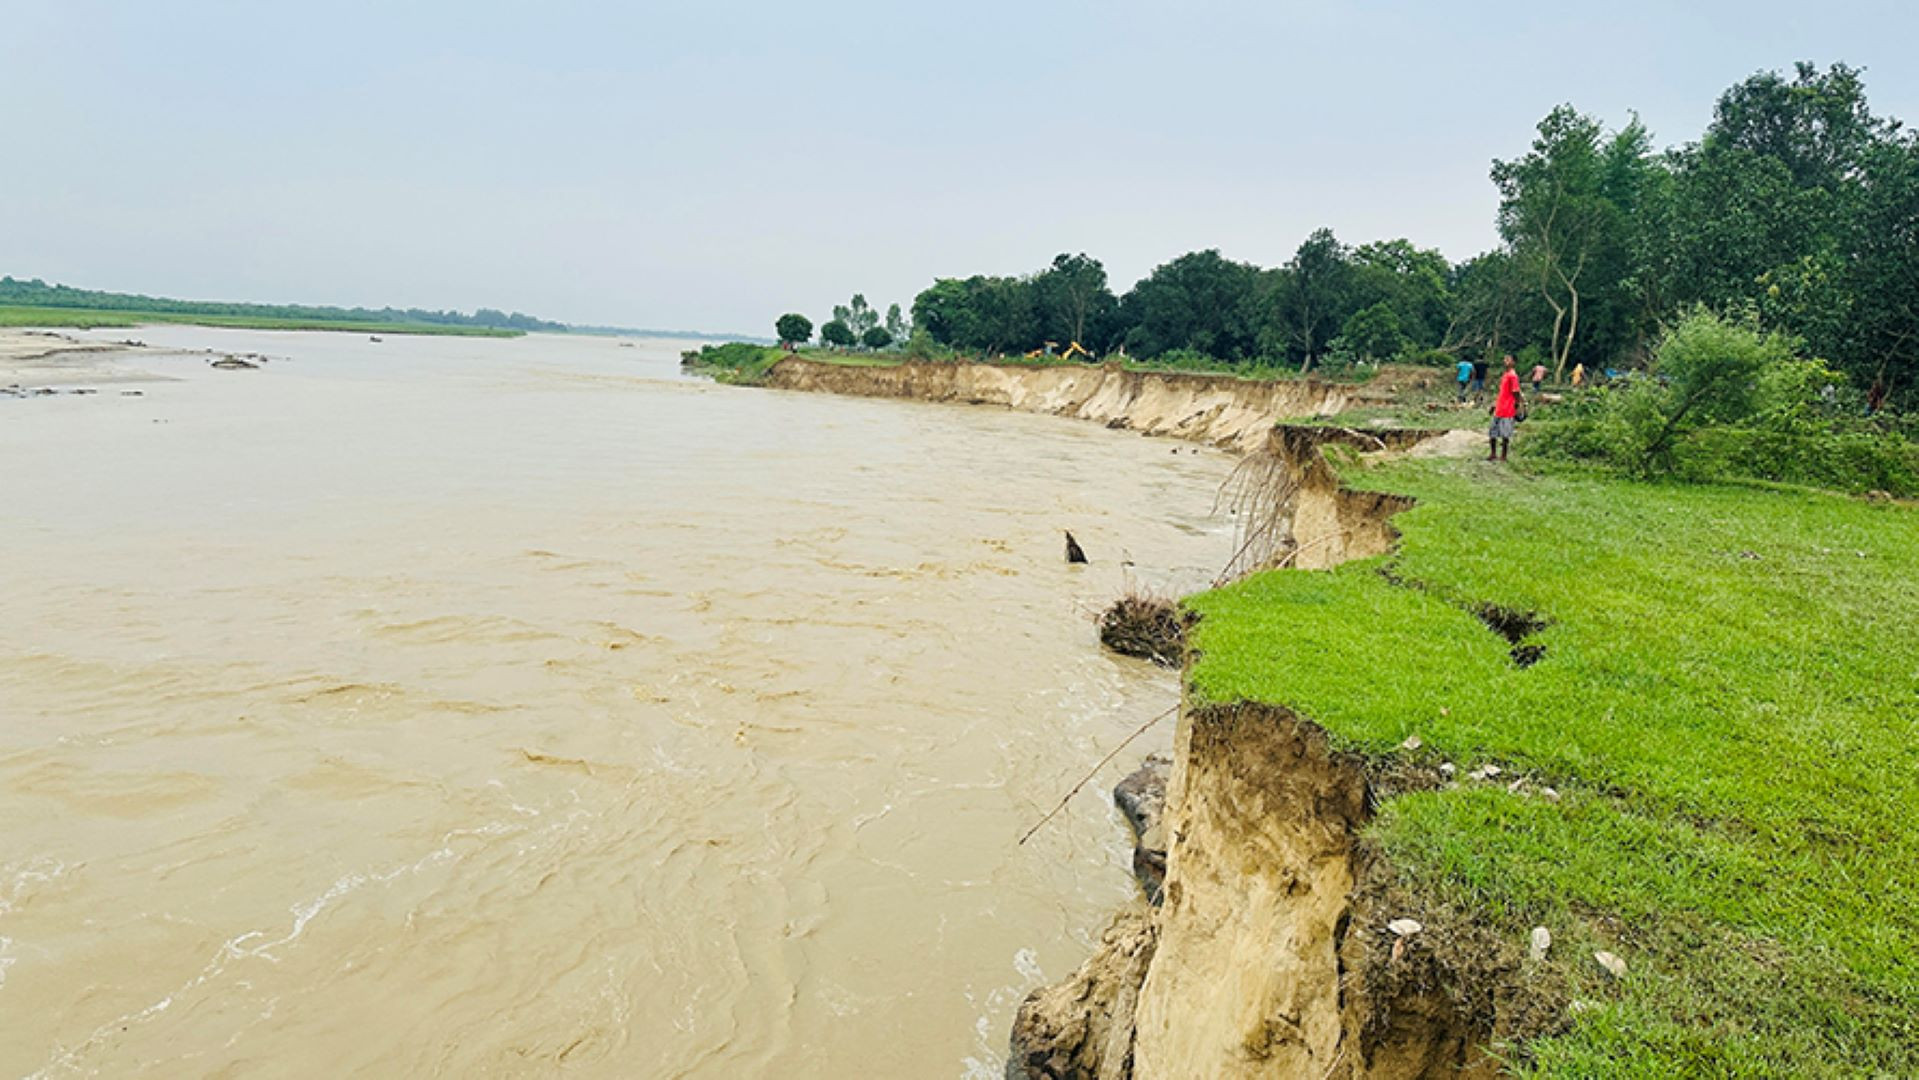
37,358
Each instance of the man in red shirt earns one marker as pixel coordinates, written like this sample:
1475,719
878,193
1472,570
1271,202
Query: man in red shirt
1505,414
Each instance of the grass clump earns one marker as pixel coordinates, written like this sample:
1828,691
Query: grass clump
1725,707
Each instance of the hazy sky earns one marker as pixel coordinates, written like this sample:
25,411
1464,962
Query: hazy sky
709,165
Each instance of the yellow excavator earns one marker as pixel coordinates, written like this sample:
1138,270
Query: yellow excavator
1074,351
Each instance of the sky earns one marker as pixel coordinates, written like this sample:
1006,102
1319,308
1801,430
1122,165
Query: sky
711,165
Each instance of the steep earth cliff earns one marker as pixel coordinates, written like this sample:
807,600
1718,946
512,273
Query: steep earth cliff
1265,950
1270,953
1219,410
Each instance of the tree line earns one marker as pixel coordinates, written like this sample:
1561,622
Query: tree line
37,293
1798,206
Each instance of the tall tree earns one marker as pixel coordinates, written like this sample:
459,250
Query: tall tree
1556,215
1317,295
1883,274
1073,297
860,317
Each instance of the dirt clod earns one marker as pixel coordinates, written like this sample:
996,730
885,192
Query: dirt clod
1144,626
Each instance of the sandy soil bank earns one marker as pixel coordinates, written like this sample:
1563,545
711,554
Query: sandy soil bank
32,359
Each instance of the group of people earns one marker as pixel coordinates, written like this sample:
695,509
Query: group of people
1472,377
1508,406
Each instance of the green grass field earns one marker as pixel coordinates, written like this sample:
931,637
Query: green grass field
91,318
1728,707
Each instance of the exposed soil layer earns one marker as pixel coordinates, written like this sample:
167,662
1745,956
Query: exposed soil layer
1219,410
1269,954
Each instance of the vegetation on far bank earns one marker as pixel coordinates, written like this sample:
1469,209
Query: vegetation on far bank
36,303
1723,710
89,318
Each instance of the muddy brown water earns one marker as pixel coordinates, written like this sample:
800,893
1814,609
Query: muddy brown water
510,708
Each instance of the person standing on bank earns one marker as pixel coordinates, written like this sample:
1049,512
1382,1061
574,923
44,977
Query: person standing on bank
1539,377
1465,378
1505,414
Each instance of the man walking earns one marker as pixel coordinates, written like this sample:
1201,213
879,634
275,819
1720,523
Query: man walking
1465,377
1505,414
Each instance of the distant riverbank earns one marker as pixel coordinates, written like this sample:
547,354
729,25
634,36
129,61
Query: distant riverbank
101,318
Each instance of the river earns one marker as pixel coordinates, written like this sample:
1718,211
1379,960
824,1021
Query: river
472,707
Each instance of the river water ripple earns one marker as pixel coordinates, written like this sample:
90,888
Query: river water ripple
473,707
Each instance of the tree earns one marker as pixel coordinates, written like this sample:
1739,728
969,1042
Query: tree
1883,274
1555,214
1316,295
793,329
1817,125
876,337
1374,334
989,314
1490,303
1072,297
1198,301
837,334
896,325
857,315
1414,282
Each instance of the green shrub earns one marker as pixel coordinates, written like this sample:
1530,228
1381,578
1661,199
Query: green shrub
1725,398
735,361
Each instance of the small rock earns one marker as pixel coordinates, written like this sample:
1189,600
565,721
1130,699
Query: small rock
1484,772
1412,743
1449,769
1404,927
1516,785
1542,939
1613,965
1550,794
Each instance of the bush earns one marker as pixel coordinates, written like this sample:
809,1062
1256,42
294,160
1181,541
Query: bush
1727,399
921,346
